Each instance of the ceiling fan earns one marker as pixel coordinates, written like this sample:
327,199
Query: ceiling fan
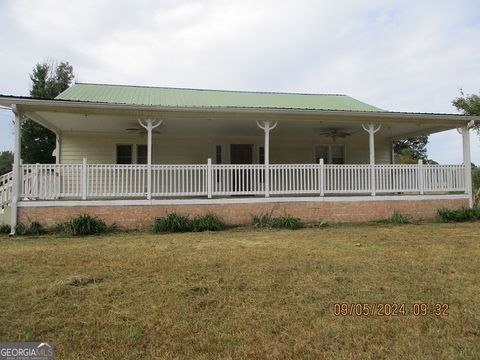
334,133
139,130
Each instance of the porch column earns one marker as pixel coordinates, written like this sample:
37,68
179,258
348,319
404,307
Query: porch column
467,162
371,129
149,126
57,148
266,127
17,170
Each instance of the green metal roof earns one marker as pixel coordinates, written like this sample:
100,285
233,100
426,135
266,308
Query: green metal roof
175,97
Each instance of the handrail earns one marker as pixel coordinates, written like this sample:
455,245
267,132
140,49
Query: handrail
6,188
95,181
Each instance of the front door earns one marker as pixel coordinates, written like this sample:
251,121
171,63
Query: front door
241,154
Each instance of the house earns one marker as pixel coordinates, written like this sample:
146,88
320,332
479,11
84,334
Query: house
131,153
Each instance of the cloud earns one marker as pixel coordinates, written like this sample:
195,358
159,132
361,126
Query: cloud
6,133
405,56
447,147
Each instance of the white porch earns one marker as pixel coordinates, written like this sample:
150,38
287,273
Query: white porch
101,181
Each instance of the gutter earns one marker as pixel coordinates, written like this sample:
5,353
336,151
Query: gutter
450,119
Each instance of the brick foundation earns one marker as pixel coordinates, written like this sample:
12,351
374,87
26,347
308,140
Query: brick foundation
142,216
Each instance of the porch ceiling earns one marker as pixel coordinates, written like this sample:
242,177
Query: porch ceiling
225,125
62,116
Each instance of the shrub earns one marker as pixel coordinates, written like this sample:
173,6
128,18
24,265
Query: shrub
5,229
208,222
33,228
85,225
20,229
459,215
282,222
287,222
262,220
173,222
398,218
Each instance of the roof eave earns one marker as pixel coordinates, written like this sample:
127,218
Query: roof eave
30,104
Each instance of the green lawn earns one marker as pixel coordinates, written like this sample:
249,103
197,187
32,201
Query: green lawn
245,294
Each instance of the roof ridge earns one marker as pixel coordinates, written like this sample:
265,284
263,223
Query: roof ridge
216,90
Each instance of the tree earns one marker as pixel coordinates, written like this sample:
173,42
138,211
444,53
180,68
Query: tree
476,185
468,104
48,80
409,151
6,161
406,156
416,146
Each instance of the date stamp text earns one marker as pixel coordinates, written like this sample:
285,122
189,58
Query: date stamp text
390,309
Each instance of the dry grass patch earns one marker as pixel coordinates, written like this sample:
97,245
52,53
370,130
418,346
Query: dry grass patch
244,294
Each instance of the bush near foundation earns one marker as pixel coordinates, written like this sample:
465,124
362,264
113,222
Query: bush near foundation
262,221
84,225
208,222
398,218
174,222
33,228
281,222
287,222
5,229
459,215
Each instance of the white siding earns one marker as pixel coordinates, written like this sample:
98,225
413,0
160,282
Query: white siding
100,148
301,151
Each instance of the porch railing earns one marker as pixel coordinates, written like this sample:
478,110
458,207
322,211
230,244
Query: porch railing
178,180
96,181
238,180
6,188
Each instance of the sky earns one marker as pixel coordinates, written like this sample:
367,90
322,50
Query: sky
397,55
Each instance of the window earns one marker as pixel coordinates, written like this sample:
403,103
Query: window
337,155
124,154
142,154
321,152
261,155
331,154
218,154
